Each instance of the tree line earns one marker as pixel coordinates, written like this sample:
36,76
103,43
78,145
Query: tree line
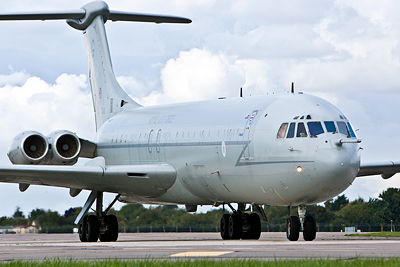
332,216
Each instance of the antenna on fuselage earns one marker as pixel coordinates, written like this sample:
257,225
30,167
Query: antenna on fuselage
241,91
292,88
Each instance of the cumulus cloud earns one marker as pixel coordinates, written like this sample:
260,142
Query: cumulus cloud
29,103
198,74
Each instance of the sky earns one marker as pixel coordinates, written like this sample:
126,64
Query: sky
347,52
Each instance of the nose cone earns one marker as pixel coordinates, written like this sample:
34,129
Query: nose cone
336,167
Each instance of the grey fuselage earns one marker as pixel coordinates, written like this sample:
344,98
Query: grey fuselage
227,150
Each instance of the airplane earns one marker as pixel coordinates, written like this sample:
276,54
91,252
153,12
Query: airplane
290,149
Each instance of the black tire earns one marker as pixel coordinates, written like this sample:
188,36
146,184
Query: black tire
92,228
82,229
255,226
310,229
235,226
247,234
293,228
111,235
224,226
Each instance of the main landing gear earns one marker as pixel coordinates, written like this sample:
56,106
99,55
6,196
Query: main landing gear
100,226
240,225
294,225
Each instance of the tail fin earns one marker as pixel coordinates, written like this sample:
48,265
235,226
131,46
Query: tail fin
108,96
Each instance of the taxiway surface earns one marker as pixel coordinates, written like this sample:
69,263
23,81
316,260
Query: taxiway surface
193,245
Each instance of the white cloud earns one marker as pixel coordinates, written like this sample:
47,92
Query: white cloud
198,74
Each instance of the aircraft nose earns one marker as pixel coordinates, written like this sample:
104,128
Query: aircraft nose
337,167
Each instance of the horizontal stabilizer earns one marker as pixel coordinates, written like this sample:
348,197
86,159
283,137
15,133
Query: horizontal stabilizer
76,14
125,16
93,9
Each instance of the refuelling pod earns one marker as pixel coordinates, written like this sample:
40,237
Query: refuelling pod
28,148
65,148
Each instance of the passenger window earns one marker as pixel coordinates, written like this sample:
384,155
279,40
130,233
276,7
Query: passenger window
343,128
290,133
301,130
352,134
282,131
315,128
330,126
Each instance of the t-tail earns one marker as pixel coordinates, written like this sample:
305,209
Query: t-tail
108,96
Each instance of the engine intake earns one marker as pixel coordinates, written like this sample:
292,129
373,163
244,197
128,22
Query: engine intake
28,148
65,148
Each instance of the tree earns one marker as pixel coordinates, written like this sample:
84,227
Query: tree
391,200
339,203
18,213
34,214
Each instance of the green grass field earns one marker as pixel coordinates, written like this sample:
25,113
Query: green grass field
210,263
378,234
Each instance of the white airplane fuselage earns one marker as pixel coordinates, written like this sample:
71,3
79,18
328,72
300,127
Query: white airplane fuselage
227,151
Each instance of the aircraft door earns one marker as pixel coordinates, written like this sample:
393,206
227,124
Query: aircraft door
150,146
250,119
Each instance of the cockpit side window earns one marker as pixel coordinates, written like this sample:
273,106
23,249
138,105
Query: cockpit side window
343,128
301,130
330,126
315,128
290,133
282,131
352,134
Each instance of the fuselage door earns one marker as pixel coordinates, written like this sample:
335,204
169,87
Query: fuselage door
250,119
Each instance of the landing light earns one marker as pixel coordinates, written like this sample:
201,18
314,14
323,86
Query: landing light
299,169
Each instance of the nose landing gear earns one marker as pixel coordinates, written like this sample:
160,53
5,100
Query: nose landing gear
294,224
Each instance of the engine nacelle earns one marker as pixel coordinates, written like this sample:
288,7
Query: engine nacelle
28,148
65,148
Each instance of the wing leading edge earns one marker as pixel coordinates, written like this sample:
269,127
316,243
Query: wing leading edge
385,169
143,180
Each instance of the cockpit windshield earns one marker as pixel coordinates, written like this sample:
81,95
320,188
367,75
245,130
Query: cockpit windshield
314,128
343,128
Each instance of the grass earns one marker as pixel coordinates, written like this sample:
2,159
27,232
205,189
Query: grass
376,262
378,234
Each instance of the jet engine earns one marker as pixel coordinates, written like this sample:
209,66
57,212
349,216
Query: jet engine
65,148
59,148
28,148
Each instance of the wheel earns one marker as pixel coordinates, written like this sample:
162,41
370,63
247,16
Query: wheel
310,228
235,226
111,235
82,229
92,228
247,234
293,228
224,226
255,226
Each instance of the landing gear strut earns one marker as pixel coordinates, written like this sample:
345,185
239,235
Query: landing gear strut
240,225
294,224
100,226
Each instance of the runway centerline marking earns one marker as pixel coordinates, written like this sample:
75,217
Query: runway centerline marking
201,254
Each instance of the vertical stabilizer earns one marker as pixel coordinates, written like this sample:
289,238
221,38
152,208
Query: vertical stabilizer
108,96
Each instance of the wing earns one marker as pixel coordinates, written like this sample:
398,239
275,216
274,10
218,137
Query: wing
385,169
143,180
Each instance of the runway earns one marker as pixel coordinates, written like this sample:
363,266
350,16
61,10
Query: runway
193,245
